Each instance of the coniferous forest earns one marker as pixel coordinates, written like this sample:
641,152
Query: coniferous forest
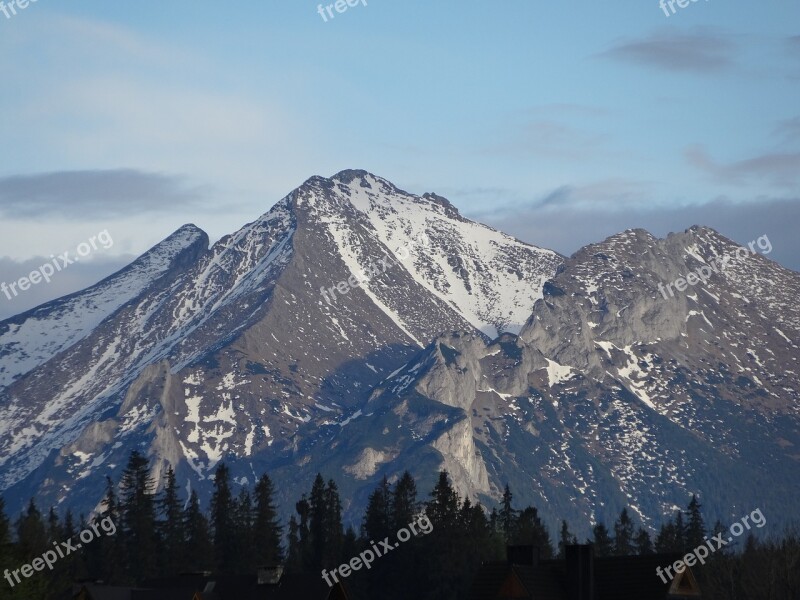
162,534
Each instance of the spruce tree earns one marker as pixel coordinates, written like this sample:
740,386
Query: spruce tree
222,521
334,531
695,528
32,542
304,546
507,514
59,578
106,558
680,533
404,505
294,553
77,568
671,536
603,545
170,527
54,531
565,538
198,549
665,539
442,508
137,508
530,531
243,529
623,535
267,530
378,518
31,532
317,522
642,543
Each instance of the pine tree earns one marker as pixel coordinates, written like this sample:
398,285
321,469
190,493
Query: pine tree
377,518
695,527
170,528
665,538
670,538
530,531
444,549
76,566
31,533
198,549
106,558
565,538
317,522
32,542
602,541
222,507
59,576
334,531
680,533
642,543
294,553
442,509
507,514
243,517
137,508
494,520
350,545
267,530
54,532
727,549
304,552
404,505
623,534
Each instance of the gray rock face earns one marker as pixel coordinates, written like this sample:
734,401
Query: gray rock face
614,395
234,352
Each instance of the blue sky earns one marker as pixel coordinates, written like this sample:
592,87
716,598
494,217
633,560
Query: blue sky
561,123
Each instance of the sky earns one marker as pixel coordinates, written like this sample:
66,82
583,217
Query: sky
559,123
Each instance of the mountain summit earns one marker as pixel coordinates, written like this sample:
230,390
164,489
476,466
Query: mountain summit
198,354
358,330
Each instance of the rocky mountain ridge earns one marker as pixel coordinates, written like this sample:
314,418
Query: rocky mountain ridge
358,330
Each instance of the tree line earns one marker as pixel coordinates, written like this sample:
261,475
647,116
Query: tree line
162,535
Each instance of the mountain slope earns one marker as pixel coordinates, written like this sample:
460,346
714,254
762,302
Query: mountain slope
612,395
34,337
359,331
231,355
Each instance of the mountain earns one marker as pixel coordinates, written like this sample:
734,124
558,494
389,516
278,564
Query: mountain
614,395
32,338
195,353
358,330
